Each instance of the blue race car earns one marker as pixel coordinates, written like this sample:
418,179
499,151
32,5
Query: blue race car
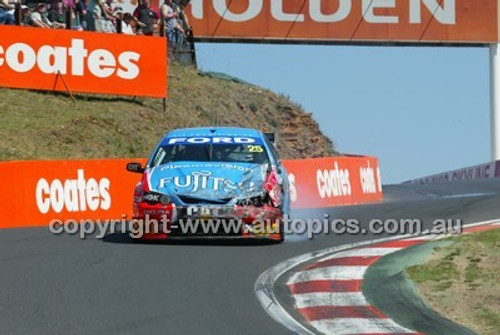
212,182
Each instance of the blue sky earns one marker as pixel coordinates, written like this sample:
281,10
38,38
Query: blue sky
419,110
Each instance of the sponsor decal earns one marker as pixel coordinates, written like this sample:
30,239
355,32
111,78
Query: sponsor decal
379,180
212,140
483,171
440,178
75,60
347,20
154,198
333,183
372,11
175,166
292,188
478,172
160,155
204,180
151,197
368,182
74,195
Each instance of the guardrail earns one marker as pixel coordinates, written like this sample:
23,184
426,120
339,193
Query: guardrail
482,171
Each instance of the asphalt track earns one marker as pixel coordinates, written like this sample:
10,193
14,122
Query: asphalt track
65,285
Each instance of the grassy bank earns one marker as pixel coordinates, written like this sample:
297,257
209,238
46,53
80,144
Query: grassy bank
462,281
38,125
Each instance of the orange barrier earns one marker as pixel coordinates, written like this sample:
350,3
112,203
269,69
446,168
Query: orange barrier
36,192
329,182
406,21
89,62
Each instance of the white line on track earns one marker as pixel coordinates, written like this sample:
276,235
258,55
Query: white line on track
343,326
362,252
347,272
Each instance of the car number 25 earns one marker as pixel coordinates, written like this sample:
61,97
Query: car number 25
255,148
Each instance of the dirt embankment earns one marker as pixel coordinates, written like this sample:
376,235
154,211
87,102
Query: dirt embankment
462,281
37,125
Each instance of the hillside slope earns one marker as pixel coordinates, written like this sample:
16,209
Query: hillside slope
38,125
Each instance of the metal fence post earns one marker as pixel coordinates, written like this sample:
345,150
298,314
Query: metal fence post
162,34
18,15
69,19
495,100
192,47
162,28
119,25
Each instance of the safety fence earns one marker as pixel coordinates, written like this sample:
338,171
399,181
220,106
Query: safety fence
36,192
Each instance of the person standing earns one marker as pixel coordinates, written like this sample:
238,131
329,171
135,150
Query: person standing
5,15
81,7
57,15
147,18
182,19
172,26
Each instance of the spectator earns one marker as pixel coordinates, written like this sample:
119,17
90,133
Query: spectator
26,16
57,15
39,18
183,21
69,4
103,14
6,16
179,31
126,26
12,12
172,26
178,6
81,7
147,18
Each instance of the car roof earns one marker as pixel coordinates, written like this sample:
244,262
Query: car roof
213,131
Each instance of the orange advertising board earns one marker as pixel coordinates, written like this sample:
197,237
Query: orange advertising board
33,193
334,181
89,62
405,21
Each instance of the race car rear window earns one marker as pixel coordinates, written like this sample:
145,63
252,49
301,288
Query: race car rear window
233,153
